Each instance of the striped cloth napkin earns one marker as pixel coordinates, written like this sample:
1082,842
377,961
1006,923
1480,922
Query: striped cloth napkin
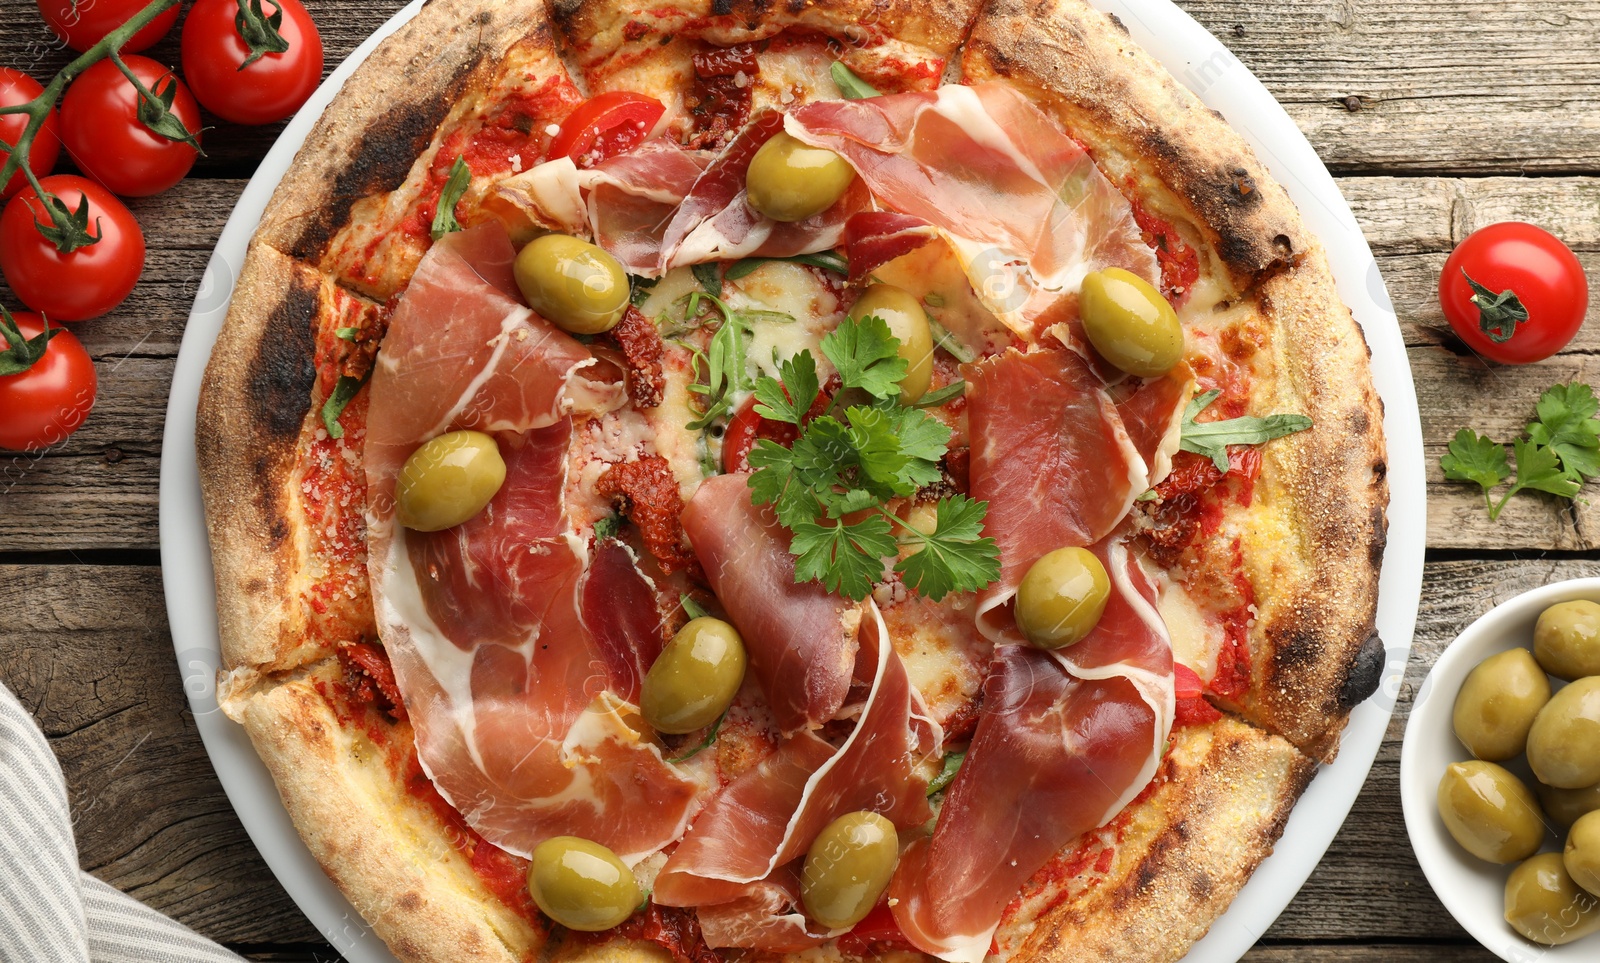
50,910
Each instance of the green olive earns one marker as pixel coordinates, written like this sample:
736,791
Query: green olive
694,678
1566,640
848,868
791,181
448,480
1497,703
1130,323
581,884
572,284
1490,812
1062,598
1546,906
1582,854
908,322
1564,743
1567,806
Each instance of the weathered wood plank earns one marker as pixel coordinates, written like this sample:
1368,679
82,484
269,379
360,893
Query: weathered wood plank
1425,95
88,650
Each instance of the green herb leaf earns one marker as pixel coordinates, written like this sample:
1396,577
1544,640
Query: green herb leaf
845,558
259,31
723,364
851,86
607,527
1566,424
956,557
942,338
639,289
1212,438
866,355
933,299
1498,314
1474,458
948,393
710,278
947,773
22,353
343,393
346,334
711,736
799,384
691,608
826,260
1539,469
444,216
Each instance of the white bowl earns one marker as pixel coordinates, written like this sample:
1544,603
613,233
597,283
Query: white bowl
1471,889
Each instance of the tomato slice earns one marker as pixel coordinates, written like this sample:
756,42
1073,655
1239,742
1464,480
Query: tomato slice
1186,683
605,125
744,428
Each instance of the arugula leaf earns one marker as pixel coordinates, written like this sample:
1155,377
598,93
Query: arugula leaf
948,393
826,260
845,558
851,86
724,364
955,557
711,736
866,355
947,773
343,393
709,277
691,608
444,216
942,338
1212,438
799,383
1567,425
639,289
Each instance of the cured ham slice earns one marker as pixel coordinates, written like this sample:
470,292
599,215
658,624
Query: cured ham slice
507,687
1074,734
716,223
619,612
1052,457
738,860
801,639
1022,204
874,238
1152,412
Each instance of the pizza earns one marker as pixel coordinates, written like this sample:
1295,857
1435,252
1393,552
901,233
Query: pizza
842,479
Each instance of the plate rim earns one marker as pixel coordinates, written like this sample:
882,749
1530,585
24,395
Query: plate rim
1198,60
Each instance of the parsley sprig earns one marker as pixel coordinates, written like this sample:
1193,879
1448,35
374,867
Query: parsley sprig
1558,450
831,486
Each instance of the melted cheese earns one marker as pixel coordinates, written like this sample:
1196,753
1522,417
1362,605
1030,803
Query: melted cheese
1197,638
796,291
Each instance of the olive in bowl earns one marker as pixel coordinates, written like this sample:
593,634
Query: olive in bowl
1490,812
1497,705
1567,806
1581,856
1546,906
1564,742
1566,641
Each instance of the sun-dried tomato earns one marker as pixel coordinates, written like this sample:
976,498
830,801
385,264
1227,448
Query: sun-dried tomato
640,342
370,679
647,493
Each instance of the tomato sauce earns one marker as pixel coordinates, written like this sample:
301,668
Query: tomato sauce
1180,263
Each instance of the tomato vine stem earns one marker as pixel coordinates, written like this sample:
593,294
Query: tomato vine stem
38,110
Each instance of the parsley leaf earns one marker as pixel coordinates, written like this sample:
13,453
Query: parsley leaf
845,558
1567,425
709,277
1212,438
866,355
607,527
444,216
799,383
955,557
1539,468
1557,451
1474,458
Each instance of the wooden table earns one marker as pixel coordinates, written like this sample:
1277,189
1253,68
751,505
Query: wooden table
1438,117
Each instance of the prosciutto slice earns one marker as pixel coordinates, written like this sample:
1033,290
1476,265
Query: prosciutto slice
1024,206
738,861
506,685
1074,734
801,639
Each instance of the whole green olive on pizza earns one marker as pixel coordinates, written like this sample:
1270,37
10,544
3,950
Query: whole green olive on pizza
740,481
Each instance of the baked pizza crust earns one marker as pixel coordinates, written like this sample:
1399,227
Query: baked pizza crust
1189,846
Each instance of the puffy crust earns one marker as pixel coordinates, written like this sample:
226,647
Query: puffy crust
1185,852
389,855
1141,124
1316,542
387,112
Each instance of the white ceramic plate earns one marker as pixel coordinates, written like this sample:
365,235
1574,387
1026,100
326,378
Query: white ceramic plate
1471,889
1197,59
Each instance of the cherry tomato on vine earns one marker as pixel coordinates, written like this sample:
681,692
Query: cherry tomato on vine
51,396
244,68
82,283
102,128
18,88
84,23
1513,292
605,125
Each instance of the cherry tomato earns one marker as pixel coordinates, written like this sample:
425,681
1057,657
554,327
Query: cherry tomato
744,429
84,23
1543,277
86,282
605,125
48,401
101,129
274,85
17,88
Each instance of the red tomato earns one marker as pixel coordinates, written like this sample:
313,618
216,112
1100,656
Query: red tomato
744,429
605,125
84,23
84,283
47,402
101,128
1541,273
274,85
17,88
